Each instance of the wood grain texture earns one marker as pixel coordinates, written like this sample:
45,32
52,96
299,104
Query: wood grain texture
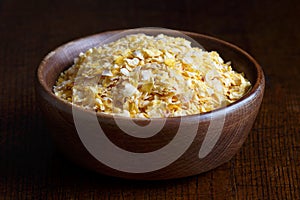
267,167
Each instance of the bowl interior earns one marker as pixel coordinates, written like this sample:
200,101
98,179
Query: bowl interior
63,57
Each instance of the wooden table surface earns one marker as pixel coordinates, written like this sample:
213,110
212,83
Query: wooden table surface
266,167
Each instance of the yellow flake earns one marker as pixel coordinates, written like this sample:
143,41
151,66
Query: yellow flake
152,52
119,60
138,54
144,76
132,62
147,87
170,62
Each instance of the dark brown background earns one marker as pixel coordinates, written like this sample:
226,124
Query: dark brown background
267,166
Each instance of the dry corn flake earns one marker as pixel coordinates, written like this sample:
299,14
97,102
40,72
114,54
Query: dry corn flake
143,76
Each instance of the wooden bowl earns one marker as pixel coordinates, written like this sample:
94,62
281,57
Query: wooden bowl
185,146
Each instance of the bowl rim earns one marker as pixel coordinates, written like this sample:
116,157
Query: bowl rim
258,84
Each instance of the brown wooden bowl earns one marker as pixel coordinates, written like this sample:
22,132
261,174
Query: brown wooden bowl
167,154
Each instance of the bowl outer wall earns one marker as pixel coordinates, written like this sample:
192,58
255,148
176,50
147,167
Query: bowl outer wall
240,115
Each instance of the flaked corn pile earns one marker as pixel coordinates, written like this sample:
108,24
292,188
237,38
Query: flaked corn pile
143,76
